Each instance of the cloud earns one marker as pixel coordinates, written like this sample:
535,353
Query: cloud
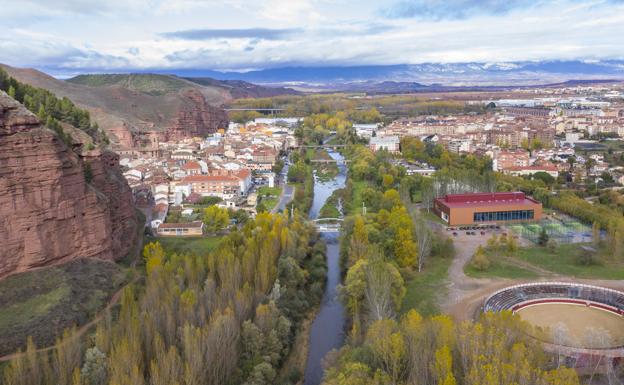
237,33
464,9
453,9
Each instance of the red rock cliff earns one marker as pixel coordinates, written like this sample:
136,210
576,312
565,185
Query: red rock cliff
48,212
196,118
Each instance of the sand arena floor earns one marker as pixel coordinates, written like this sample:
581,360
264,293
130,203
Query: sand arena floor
575,325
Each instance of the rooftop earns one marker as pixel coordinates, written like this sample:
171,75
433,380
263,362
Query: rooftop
486,199
189,225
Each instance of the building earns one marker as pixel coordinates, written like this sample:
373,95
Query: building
224,184
191,229
466,209
504,160
389,143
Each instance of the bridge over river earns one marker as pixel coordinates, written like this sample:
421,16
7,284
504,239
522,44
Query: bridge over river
328,225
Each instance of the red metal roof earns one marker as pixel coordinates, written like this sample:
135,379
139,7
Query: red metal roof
485,199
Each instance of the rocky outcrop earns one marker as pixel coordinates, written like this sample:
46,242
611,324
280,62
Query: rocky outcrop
196,117
55,205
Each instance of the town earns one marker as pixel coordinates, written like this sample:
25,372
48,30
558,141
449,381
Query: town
562,135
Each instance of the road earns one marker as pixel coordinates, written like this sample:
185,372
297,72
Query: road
285,198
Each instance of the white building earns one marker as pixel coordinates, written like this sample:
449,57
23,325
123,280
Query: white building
389,143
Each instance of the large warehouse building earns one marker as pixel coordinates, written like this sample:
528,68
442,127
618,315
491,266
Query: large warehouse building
467,209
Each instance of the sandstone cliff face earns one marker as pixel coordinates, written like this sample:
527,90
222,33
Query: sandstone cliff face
48,212
196,117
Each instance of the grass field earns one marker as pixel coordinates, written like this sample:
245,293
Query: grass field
502,268
269,196
190,245
355,206
425,288
564,260
43,302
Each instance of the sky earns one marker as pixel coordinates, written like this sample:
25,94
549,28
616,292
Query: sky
119,35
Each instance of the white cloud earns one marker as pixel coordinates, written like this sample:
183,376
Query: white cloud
97,34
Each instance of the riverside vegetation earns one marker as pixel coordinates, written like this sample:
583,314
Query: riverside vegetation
226,317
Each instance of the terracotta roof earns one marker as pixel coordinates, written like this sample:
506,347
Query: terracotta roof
191,165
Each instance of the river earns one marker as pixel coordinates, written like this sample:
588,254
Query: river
327,330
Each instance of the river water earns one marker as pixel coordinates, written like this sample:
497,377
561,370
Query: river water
327,330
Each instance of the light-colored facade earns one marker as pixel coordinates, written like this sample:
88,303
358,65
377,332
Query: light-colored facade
192,229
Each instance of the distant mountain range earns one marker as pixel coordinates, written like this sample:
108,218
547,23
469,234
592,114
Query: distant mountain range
454,74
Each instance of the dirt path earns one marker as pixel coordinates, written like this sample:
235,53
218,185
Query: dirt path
86,327
465,295
112,302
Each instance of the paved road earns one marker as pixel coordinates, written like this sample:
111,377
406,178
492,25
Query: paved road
285,198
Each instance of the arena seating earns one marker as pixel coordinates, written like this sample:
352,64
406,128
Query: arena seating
508,298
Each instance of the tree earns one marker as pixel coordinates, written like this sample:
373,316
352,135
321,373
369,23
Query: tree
11,92
93,370
388,347
358,244
542,240
215,219
512,244
596,238
424,241
480,260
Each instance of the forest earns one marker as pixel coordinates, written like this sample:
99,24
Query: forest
228,317
51,110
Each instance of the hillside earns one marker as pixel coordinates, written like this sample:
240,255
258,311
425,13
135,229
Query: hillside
57,205
134,109
134,112
240,89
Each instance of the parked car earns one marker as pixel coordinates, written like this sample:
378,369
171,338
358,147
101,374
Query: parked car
454,233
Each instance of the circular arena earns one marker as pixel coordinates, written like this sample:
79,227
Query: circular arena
577,318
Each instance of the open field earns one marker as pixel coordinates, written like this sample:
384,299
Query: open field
501,267
269,196
425,289
577,325
188,245
45,301
564,261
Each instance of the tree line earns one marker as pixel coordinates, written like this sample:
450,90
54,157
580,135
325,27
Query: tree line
51,110
227,317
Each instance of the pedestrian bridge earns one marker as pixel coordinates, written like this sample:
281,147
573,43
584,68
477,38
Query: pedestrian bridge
328,225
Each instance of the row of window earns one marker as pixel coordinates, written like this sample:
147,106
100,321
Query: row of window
515,215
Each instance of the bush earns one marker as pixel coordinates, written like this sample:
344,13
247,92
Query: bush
480,260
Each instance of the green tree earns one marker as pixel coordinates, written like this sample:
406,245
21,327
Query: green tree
93,370
542,239
480,260
215,219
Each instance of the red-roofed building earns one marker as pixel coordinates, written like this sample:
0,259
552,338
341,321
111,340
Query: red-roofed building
224,184
466,209
192,168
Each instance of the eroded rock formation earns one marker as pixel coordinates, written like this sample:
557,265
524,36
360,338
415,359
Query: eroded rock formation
49,213
196,117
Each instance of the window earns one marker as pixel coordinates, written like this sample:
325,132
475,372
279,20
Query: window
513,215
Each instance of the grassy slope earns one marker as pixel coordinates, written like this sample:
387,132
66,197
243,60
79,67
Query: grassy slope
191,245
500,268
539,261
564,261
43,302
270,196
425,288
148,83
